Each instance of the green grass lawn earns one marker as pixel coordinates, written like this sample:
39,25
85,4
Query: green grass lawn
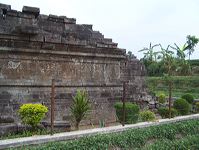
182,85
181,135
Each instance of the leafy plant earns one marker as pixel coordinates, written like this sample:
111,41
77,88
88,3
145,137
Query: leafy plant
101,123
189,98
162,98
32,114
182,106
197,106
147,115
25,133
131,112
79,107
164,112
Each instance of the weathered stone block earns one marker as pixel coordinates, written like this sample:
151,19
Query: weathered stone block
31,10
12,13
48,46
70,20
53,38
5,7
6,119
89,26
22,29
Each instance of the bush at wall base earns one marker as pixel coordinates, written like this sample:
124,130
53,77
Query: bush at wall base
164,112
197,106
189,98
147,115
182,106
32,114
131,112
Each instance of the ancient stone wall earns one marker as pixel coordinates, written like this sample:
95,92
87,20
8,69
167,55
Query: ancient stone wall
36,48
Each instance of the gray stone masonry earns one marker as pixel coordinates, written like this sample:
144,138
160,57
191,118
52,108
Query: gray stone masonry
36,48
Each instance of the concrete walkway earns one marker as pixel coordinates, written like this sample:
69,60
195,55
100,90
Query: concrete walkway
78,134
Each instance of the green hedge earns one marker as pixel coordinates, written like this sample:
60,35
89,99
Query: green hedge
157,137
182,106
131,112
32,114
188,97
147,115
164,112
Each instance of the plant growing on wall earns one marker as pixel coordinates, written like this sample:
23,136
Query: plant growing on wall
32,114
79,107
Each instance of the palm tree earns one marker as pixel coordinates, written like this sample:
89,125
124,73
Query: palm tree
192,41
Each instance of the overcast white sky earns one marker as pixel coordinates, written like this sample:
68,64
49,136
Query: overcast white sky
133,24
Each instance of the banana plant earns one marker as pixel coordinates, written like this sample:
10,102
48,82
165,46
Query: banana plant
149,53
180,51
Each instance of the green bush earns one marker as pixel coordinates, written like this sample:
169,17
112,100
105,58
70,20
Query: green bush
162,98
147,115
32,114
131,112
182,106
189,98
197,106
79,107
164,112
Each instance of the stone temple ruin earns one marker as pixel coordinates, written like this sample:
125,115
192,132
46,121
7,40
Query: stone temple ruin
36,48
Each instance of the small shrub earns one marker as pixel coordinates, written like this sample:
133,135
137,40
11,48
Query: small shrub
197,106
80,107
164,112
32,114
147,115
131,112
182,106
189,98
162,98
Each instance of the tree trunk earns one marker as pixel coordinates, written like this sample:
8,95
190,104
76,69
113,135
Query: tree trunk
123,101
76,125
170,88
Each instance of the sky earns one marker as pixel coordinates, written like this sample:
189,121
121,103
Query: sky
133,24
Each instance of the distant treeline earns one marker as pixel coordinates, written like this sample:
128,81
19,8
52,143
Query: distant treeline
194,62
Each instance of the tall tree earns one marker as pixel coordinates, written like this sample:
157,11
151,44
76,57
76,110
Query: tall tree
192,41
170,70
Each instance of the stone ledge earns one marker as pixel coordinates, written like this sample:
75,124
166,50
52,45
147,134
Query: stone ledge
78,134
83,54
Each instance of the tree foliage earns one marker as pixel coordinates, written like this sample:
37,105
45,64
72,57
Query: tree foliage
156,58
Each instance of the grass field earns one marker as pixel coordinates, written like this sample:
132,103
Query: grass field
181,85
182,135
